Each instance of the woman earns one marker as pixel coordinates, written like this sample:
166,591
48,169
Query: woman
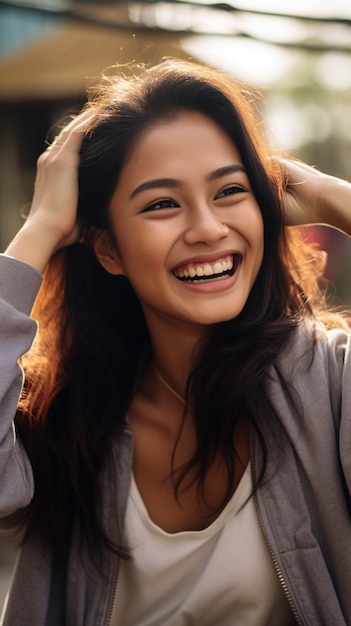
186,414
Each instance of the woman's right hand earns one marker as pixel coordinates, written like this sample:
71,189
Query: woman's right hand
52,220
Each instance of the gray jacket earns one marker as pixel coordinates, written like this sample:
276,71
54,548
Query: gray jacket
303,509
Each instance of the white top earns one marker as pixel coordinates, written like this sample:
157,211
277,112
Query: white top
222,575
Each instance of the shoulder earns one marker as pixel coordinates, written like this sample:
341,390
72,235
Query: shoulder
314,369
312,346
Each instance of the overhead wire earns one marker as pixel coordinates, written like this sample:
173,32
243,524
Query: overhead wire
88,12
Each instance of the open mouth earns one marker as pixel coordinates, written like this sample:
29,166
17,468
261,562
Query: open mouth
202,272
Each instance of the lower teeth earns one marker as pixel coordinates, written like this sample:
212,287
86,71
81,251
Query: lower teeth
204,280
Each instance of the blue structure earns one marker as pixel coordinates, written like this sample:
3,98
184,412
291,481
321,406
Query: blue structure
20,26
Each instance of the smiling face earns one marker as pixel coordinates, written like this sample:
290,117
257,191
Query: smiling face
188,228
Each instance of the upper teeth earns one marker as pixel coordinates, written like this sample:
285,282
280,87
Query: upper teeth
207,269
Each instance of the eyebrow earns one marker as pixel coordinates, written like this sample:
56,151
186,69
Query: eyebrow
154,184
174,183
224,171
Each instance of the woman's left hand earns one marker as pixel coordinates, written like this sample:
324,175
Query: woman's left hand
301,200
312,197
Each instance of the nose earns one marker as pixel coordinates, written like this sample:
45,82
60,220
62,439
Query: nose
204,226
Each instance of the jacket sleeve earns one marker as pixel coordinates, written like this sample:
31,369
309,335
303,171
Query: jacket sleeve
345,414
19,284
329,385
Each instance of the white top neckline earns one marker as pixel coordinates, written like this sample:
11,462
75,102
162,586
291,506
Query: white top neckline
241,493
221,575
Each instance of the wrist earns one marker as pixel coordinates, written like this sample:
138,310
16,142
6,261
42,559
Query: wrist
335,204
34,244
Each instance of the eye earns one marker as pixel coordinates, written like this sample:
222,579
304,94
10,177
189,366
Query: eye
164,203
230,190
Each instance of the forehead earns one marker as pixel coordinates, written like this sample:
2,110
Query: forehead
189,134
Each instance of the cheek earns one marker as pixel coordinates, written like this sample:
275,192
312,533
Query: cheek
130,246
142,259
259,260
139,254
256,229
258,242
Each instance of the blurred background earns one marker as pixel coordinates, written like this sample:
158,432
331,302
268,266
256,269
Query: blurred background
296,52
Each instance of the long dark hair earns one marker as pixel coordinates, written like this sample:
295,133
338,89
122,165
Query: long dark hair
82,369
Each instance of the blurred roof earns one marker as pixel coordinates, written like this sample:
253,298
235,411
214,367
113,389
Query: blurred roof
58,65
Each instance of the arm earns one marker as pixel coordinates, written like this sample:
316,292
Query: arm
19,284
51,224
312,197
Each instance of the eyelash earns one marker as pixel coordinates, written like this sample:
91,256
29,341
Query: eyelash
168,203
160,204
230,190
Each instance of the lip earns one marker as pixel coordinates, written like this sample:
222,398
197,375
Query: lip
211,286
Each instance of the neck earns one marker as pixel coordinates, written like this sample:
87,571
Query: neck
173,346
167,385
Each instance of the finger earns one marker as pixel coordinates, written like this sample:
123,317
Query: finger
77,127
54,144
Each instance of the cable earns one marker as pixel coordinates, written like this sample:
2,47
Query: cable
85,14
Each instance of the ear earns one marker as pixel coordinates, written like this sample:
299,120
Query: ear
106,252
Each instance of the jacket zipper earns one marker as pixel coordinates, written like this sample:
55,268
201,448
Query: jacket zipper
113,600
276,565
115,582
